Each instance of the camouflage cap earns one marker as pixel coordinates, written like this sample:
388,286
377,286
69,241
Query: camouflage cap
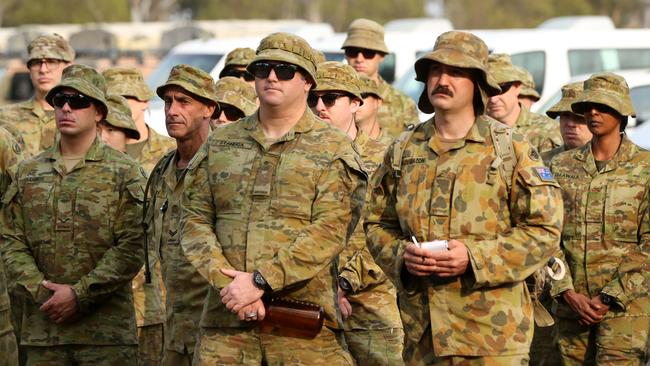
365,33
502,70
85,80
335,75
607,89
319,57
570,94
238,57
369,86
119,116
527,84
127,82
193,80
50,46
237,93
458,49
286,47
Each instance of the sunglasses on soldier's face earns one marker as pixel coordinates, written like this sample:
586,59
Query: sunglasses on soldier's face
240,74
75,101
505,87
329,99
282,71
353,52
231,113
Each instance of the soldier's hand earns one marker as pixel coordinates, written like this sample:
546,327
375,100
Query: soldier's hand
452,262
583,306
601,309
253,312
418,262
61,307
241,291
344,304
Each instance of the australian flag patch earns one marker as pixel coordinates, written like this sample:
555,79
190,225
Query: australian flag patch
544,173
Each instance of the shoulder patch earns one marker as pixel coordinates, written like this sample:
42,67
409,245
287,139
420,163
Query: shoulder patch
544,173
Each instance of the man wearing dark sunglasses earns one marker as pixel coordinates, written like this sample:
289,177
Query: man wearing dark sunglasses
236,98
73,235
33,120
365,49
236,62
542,132
268,206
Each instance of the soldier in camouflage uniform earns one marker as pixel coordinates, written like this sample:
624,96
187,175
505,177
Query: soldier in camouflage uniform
188,115
365,49
151,146
236,62
500,213
269,204
604,307
542,132
32,121
236,100
528,95
72,236
367,117
574,129
118,124
10,155
368,300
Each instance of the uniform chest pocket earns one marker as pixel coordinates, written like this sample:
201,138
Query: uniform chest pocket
37,203
294,186
230,174
413,190
622,209
95,206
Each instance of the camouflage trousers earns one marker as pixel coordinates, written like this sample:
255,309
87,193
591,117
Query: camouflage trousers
150,345
237,346
543,349
376,347
8,346
422,354
82,355
173,358
614,341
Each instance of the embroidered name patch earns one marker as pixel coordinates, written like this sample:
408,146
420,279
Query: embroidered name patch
544,173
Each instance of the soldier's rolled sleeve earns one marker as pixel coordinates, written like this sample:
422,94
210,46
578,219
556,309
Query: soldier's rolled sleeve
198,239
536,209
361,271
335,213
123,260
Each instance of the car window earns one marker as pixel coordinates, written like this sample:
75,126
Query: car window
334,56
550,102
535,63
201,61
409,86
641,100
590,61
387,68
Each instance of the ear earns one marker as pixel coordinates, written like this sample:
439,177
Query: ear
354,105
381,57
100,113
208,111
308,84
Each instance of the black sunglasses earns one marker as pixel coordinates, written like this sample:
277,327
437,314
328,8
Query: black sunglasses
505,87
282,71
240,74
328,99
232,113
75,101
353,52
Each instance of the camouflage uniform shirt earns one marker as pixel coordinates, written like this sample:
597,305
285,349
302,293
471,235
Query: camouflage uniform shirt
36,127
542,132
285,208
153,149
398,112
435,194
82,229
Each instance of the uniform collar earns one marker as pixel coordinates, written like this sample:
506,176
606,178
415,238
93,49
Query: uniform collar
96,152
477,133
626,152
524,116
253,125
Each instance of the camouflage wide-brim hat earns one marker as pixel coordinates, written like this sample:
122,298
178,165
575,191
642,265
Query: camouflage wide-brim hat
119,116
334,75
528,84
237,93
458,49
85,80
127,82
607,89
193,80
502,70
289,48
238,57
50,46
365,33
570,94
369,86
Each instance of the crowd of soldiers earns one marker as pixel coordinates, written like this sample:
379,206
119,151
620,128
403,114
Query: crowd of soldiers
292,177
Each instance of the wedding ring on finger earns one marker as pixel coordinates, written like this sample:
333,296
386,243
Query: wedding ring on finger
424,259
250,315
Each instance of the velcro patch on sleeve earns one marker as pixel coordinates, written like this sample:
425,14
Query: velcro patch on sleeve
544,173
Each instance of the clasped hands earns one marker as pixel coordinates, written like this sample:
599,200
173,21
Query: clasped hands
241,296
591,311
443,263
61,307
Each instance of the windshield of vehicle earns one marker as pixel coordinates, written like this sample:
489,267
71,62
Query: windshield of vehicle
590,61
161,73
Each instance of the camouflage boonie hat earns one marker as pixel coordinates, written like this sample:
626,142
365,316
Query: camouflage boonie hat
502,70
119,115
457,49
127,82
570,94
286,47
607,89
237,93
238,57
369,86
527,84
319,57
85,80
365,33
334,75
50,46
193,80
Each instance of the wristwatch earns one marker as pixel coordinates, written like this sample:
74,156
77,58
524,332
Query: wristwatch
260,282
607,299
345,285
